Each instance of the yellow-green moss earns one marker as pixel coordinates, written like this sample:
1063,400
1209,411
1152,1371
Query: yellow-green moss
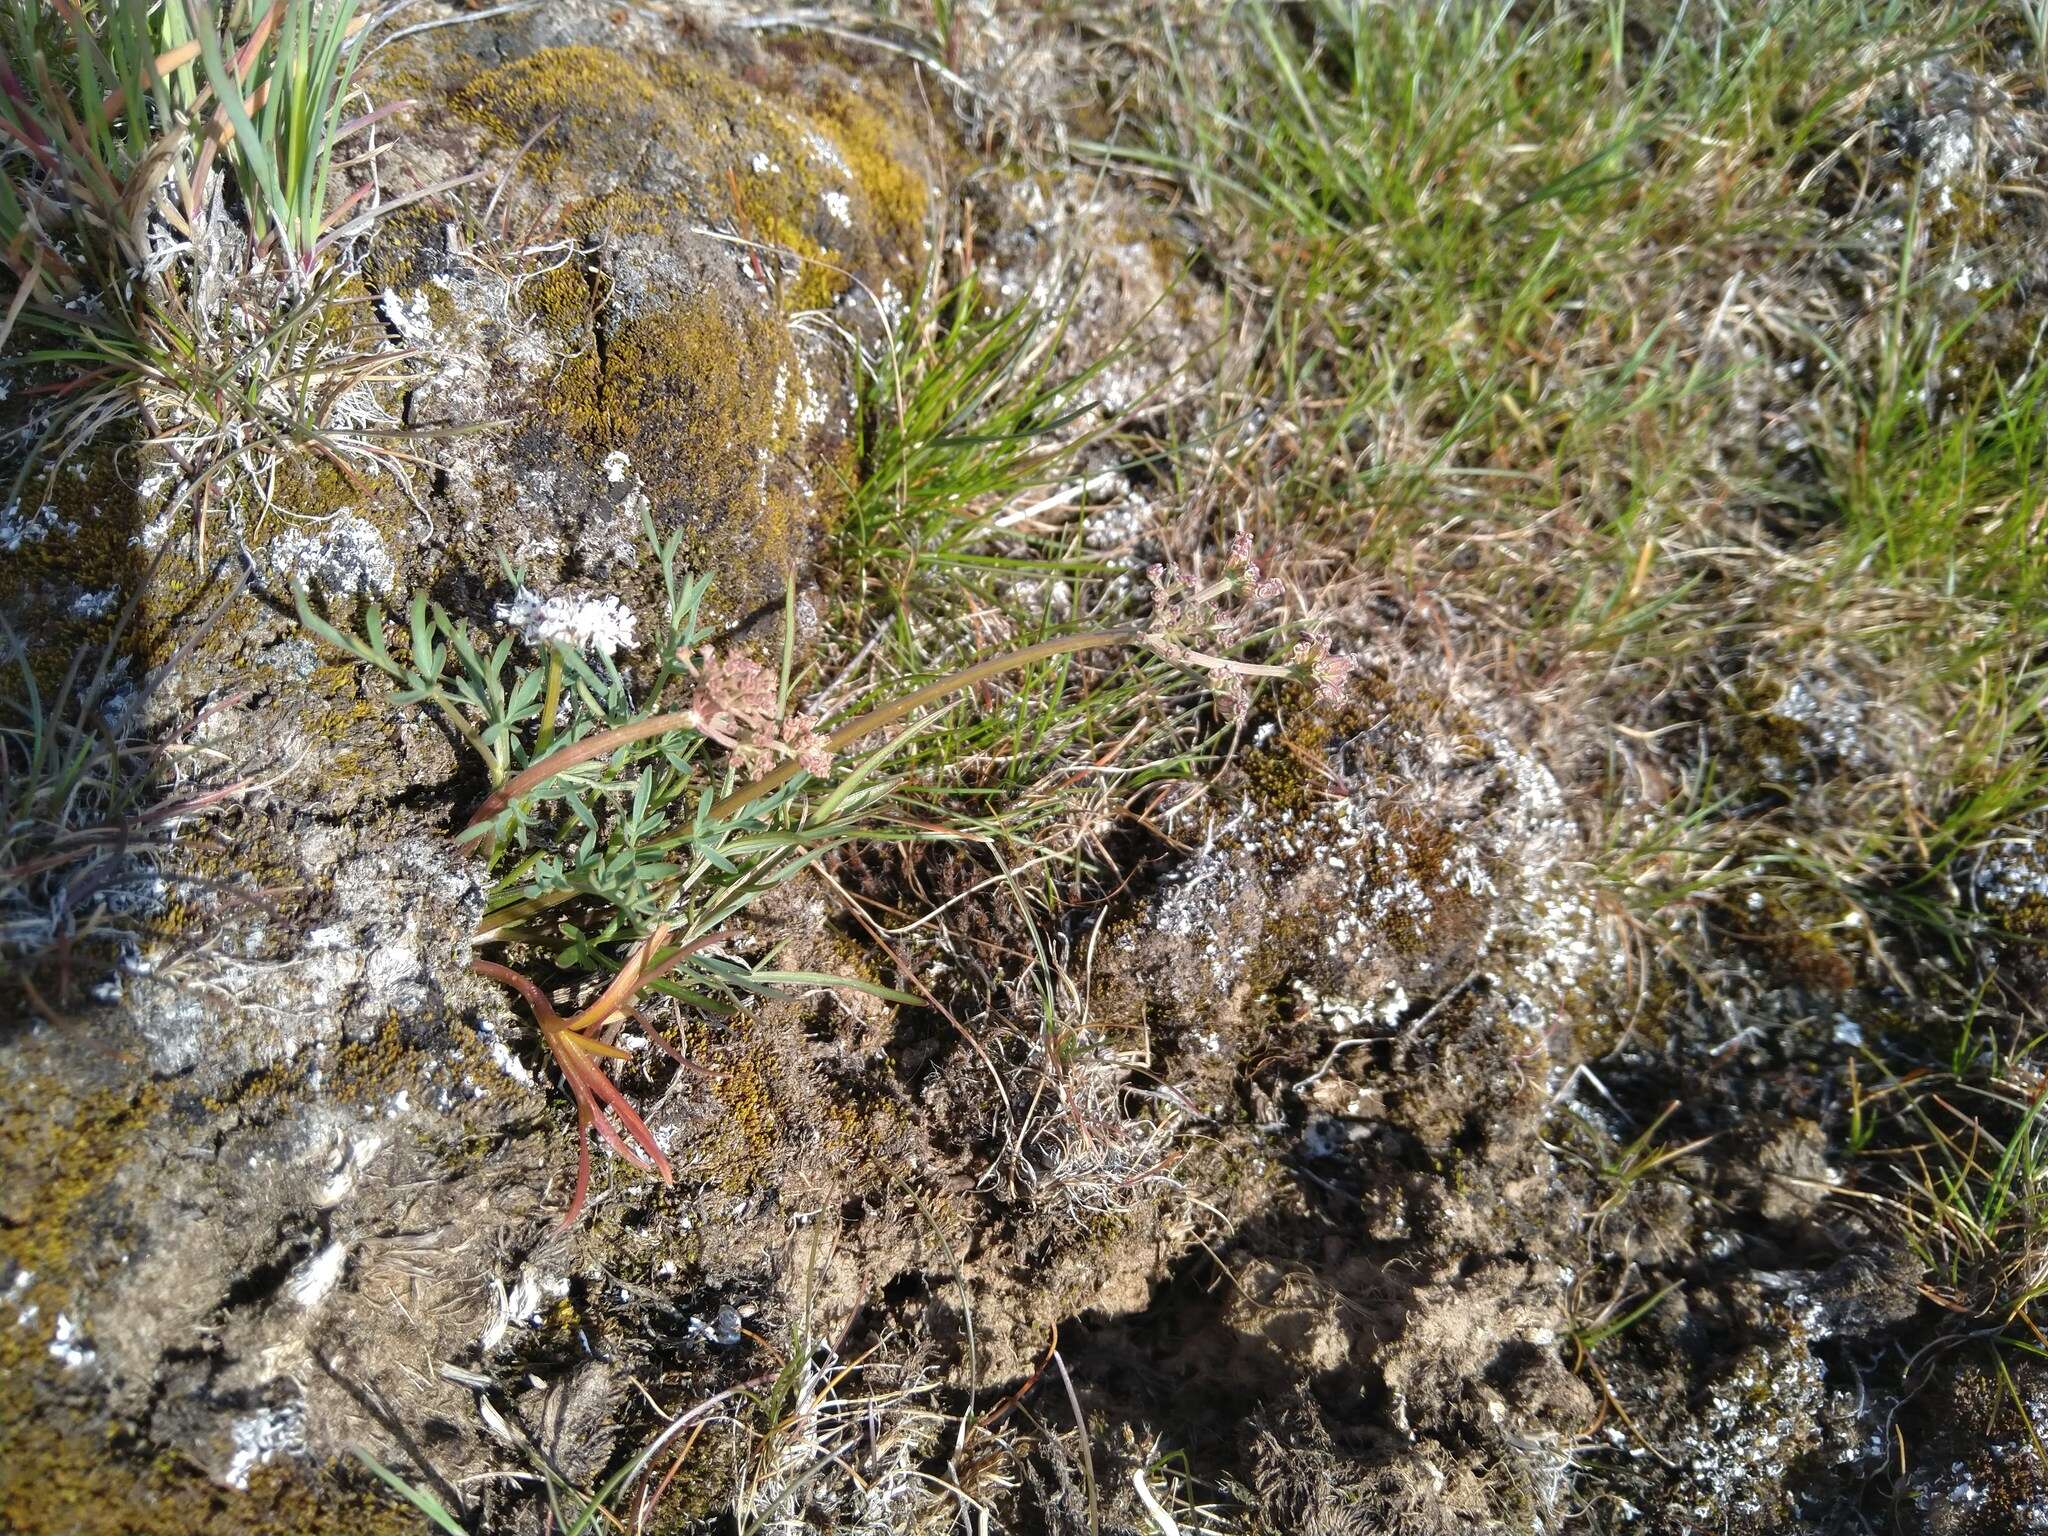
754,1123
680,371
57,1167
703,391
1798,928
2026,918
2020,909
341,714
764,161
690,393
310,488
873,147
785,205
399,246
1763,746
90,550
654,1229
858,1127
623,211
355,1072
259,856
817,281
1291,770
577,89
62,1479
1420,848
560,302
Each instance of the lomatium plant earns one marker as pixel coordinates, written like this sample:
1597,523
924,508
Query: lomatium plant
624,838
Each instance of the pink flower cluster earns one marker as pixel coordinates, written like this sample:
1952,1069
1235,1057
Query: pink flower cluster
1184,609
736,705
1192,620
1326,672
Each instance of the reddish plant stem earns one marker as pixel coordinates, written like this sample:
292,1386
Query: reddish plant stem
543,1009
604,742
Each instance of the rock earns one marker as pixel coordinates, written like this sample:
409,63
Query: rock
262,1236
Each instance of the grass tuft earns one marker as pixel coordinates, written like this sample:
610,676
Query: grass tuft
89,798
169,219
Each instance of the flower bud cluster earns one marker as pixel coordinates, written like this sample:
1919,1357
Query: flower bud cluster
736,705
1196,624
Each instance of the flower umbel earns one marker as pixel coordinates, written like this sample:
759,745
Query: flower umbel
737,704
1192,621
1326,672
601,624
735,701
801,739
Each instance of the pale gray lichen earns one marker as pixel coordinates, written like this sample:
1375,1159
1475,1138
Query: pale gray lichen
408,317
1757,1423
18,528
261,1438
345,556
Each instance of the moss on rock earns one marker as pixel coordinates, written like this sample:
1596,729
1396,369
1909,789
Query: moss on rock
832,176
64,1480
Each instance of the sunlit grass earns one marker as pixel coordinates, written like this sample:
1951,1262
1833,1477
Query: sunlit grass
170,212
968,531
1543,292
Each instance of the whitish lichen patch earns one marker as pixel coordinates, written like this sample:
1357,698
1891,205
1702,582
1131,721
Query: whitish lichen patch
346,557
260,1438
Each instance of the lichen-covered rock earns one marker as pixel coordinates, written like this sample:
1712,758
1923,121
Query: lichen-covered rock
648,354
2007,886
1979,1472
1376,861
1133,317
251,1234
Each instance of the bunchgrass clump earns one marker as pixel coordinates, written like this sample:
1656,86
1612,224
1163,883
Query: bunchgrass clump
1091,1136
171,213
90,796
822,1437
1955,1158
968,530
840,1440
